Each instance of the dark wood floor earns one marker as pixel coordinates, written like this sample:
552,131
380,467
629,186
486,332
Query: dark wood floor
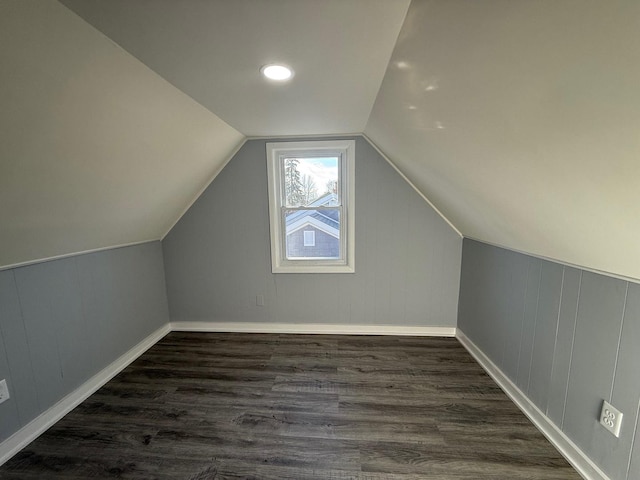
215,406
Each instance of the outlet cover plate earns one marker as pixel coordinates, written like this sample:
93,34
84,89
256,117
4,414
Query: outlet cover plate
611,418
4,391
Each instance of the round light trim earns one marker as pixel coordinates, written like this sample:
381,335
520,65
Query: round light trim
279,73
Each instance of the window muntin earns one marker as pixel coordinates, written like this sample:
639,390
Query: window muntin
311,190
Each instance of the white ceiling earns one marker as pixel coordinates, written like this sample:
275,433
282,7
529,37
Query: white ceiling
518,119
213,49
96,150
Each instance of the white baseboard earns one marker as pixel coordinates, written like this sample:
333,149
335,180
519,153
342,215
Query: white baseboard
42,422
312,328
569,450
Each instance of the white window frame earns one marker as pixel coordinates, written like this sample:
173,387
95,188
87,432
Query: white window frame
345,150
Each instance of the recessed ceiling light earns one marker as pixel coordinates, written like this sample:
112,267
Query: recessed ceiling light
277,72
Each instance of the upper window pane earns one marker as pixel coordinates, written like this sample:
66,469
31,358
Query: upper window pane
309,178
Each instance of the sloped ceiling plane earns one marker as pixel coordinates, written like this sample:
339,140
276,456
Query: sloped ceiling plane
518,120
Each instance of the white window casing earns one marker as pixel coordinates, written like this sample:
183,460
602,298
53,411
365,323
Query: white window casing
344,150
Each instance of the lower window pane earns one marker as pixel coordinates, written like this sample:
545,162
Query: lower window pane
312,234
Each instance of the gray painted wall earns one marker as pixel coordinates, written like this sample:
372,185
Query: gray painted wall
217,258
63,321
568,338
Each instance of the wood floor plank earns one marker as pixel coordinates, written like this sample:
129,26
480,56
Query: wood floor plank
211,406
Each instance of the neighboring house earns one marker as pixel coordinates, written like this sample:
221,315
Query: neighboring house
314,233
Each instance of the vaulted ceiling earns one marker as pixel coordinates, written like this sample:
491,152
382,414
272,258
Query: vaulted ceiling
519,120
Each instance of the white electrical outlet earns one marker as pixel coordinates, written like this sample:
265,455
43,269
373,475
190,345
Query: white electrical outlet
611,418
260,300
4,391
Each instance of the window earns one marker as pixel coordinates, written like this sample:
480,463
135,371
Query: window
311,190
309,238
